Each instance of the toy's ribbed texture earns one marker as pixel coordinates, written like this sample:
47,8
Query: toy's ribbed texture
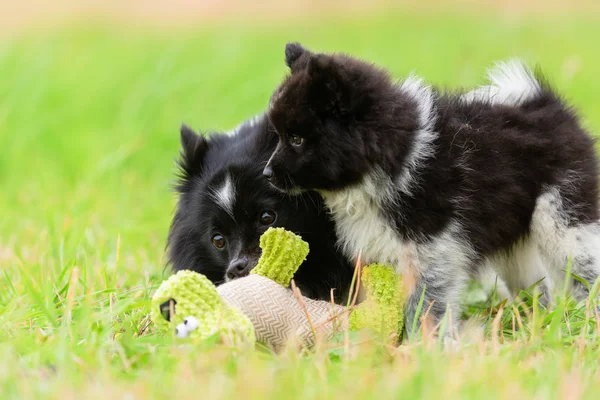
382,311
276,313
282,254
196,296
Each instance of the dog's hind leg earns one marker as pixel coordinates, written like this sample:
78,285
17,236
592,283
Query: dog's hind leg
561,238
521,267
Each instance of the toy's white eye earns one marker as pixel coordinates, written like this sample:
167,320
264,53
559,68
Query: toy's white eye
181,331
191,323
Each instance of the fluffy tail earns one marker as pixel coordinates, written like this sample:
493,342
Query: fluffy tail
511,83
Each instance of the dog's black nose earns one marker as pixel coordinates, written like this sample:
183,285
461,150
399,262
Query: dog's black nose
268,172
238,268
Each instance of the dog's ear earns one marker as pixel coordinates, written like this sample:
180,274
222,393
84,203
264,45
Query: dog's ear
293,53
320,66
191,161
329,93
190,140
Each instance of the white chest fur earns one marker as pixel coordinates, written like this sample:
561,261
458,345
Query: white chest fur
362,229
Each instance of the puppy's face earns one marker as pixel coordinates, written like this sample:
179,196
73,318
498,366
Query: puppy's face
225,205
232,210
319,115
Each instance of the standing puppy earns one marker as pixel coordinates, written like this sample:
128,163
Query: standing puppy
441,185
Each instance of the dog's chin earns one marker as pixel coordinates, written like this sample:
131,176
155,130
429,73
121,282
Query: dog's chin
288,189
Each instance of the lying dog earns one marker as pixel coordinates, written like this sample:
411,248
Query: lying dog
225,204
440,184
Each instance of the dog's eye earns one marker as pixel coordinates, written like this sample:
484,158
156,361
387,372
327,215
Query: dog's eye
267,217
296,140
218,241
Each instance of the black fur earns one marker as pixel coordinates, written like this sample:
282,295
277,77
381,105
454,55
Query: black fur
490,163
203,166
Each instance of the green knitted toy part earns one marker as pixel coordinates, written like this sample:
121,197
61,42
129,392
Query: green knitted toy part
383,309
282,254
193,295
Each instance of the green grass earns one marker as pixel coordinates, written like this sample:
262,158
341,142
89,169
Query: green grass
89,121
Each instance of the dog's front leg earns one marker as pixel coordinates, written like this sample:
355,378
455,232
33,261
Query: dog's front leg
439,285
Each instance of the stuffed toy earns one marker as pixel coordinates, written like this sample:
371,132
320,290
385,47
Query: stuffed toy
261,307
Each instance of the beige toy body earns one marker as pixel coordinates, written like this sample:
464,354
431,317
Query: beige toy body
275,312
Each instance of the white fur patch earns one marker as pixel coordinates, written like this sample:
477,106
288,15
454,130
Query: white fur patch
224,196
558,241
549,221
520,267
360,226
234,131
422,147
491,281
511,83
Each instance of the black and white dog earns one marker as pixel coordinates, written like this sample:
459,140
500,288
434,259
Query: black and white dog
225,204
441,184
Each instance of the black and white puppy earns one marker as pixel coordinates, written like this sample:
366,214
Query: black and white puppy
225,204
441,184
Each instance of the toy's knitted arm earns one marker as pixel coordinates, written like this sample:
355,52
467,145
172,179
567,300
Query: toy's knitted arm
282,254
383,308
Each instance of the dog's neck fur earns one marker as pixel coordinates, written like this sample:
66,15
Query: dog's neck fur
378,183
398,142
357,208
